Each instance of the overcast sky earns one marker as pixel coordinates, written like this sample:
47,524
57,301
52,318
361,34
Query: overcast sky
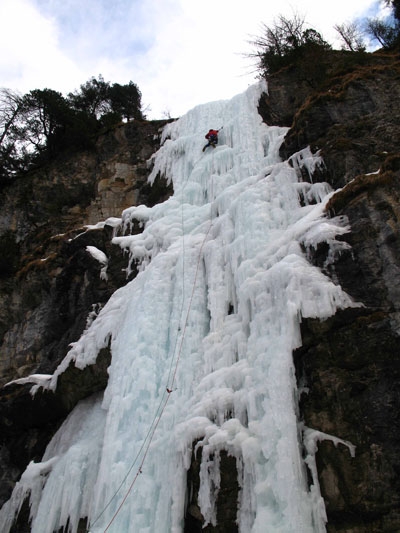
180,53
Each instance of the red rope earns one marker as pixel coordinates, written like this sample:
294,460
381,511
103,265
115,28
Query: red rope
139,471
168,389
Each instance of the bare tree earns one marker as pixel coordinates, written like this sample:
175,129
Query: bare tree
395,5
11,104
284,34
287,41
384,33
13,154
351,36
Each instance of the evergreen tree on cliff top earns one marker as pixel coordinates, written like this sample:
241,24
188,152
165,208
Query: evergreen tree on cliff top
37,126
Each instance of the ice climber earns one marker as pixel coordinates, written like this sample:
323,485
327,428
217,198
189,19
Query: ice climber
212,137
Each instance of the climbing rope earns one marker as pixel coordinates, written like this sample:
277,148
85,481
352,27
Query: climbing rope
183,289
139,471
170,383
149,432
189,307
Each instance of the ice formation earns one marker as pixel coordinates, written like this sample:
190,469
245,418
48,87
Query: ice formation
201,343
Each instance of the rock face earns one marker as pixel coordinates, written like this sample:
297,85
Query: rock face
227,499
50,285
44,235
350,364
346,107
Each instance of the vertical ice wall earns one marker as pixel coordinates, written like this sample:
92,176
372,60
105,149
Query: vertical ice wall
201,342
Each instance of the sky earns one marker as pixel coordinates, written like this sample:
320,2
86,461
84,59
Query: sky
180,53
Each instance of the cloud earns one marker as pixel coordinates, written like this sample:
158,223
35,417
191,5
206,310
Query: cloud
31,56
179,52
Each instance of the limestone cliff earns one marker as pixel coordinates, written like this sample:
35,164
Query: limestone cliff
348,366
50,285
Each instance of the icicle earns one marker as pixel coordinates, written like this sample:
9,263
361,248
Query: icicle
311,437
201,341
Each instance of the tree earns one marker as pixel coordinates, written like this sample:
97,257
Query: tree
126,100
395,5
108,103
351,36
276,41
93,97
13,154
284,43
386,32
37,126
46,117
53,126
10,107
43,123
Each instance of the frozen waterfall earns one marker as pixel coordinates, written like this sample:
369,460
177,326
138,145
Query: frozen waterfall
201,342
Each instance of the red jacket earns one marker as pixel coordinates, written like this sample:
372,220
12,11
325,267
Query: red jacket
212,133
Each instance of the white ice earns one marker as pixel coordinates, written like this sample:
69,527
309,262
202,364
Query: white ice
38,379
201,342
101,257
